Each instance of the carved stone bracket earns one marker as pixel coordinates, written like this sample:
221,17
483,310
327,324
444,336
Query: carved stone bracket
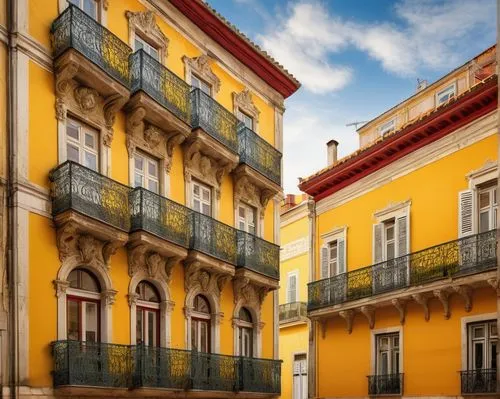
167,306
155,265
109,296
132,299
400,305
494,283
201,67
249,294
202,166
369,312
195,276
443,296
145,22
245,190
423,300
465,291
217,318
348,316
243,101
61,287
322,324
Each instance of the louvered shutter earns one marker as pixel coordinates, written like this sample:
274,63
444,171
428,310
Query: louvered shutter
377,242
324,262
465,213
292,288
402,235
341,248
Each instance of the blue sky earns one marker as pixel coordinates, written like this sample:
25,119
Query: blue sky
355,59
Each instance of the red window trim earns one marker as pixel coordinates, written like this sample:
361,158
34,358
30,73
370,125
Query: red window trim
79,300
158,321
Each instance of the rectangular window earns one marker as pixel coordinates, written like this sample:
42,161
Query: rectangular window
146,172
89,6
333,258
387,354
300,376
487,208
292,292
199,83
148,48
482,345
201,198
389,242
445,94
246,119
247,218
82,144
387,127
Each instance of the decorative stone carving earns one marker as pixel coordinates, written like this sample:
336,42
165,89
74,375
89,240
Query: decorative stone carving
443,296
248,294
493,282
246,191
145,22
243,102
86,98
156,266
203,167
348,316
109,297
400,305
201,67
132,299
465,291
195,276
369,312
423,300
60,287
84,248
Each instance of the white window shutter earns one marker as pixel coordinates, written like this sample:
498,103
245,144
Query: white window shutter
465,213
292,288
377,242
402,235
324,262
341,249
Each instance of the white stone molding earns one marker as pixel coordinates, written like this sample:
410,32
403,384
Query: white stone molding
465,291
443,295
334,234
243,102
373,346
200,66
392,210
423,300
464,321
400,305
348,316
144,24
102,10
369,312
486,173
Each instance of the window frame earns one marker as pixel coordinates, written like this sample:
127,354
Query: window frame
373,346
147,46
392,348
491,209
487,341
194,198
246,220
336,235
202,82
241,115
146,158
83,129
444,91
290,274
98,8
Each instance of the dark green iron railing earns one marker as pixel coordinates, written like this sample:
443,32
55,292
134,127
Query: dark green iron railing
259,154
258,255
467,255
480,381
161,84
77,30
214,119
290,312
388,384
213,238
160,216
138,366
77,188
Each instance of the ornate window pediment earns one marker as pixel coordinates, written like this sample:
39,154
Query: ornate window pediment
144,23
200,66
243,102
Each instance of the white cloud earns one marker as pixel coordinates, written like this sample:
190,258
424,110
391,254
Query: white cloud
428,35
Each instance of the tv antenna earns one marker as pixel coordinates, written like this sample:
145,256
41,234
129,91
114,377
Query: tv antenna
355,124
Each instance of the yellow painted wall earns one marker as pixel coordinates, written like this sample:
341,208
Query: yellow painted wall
3,109
293,340
43,156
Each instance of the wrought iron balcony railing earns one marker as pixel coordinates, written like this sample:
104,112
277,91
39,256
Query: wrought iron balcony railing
479,381
467,255
161,84
214,119
293,311
259,154
389,384
258,255
138,366
213,238
77,188
160,216
77,30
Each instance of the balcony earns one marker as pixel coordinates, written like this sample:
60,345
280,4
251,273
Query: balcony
389,384
258,260
213,243
214,129
88,52
481,381
96,204
259,160
451,261
292,312
163,225
79,364
155,88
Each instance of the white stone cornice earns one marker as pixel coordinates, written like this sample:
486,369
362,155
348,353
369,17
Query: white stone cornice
292,215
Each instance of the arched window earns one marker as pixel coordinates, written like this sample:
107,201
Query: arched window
245,333
83,307
200,324
147,315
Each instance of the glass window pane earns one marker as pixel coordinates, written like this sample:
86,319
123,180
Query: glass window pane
139,329
73,320
90,160
151,329
154,53
206,195
478,355
204,336
493,330
390,251
88,283
484,221
493,356
241,211
89,140
138,180
242,225
91,322
196,190
206,209
153,186
138,44
139,163
196,205
90,7
479,332
73,131
153,169
390,232
251,230
73,153
484,199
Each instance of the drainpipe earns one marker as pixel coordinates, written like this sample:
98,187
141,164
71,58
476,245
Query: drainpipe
312,356
12,325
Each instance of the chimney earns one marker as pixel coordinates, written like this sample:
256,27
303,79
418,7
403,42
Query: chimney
290,200
421,84
331,151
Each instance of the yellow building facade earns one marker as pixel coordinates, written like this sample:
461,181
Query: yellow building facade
146,175
403,291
